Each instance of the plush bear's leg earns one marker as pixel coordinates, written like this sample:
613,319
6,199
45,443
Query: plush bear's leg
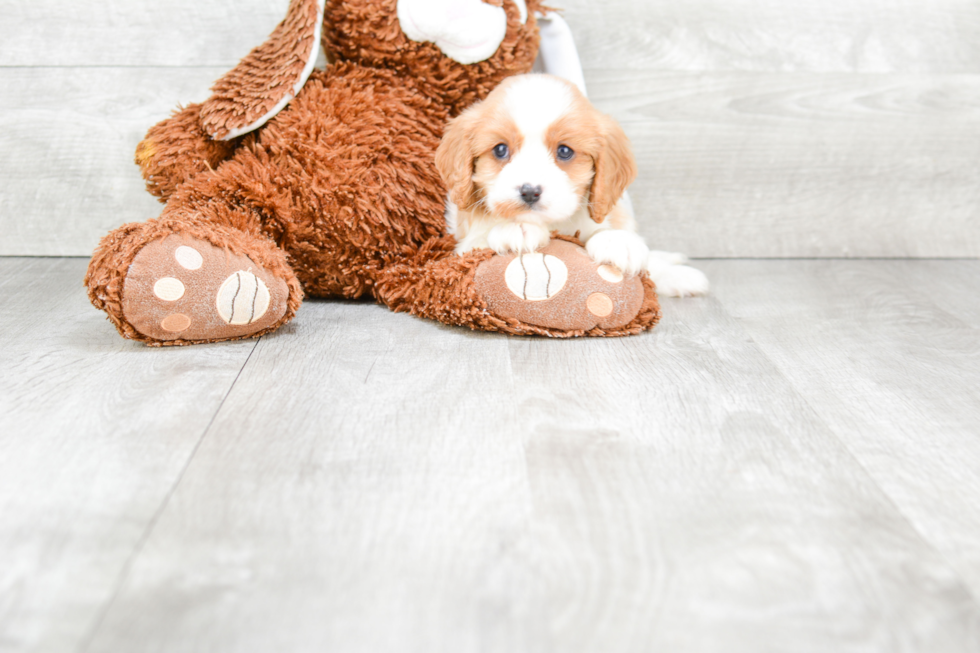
558,292
193,277
177,149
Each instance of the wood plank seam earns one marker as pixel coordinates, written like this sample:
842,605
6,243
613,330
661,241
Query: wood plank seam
89,636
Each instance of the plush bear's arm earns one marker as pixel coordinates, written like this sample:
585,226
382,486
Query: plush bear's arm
269,77
557,54
177,149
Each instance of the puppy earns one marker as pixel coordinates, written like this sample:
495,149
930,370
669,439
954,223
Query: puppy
534,157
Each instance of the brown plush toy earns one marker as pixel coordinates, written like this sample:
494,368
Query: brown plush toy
337,193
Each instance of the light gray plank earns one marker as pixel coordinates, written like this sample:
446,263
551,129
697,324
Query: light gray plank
380,483
888,368
956,282
94,433
792,35
128,33
69,137
730,164
873,36
792,165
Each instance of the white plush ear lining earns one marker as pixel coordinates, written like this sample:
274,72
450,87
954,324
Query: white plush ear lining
466,31
522,8
558,55
271,75
297,86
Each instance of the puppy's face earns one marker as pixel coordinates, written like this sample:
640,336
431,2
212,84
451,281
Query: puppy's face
535,149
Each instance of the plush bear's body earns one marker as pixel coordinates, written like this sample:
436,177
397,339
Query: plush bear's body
334,195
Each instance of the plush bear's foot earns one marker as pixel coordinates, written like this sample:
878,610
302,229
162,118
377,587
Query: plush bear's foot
560,287
186,289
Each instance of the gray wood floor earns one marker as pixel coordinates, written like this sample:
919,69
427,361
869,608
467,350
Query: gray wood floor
788,465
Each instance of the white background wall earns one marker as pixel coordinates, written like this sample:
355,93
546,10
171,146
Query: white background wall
771,128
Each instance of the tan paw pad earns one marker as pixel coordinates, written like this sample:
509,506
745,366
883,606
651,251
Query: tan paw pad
242,299
176,323
188,289
610,273
599,304
559,287
168,289
536,277
188,257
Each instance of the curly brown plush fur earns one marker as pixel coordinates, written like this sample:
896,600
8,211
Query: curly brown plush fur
337,195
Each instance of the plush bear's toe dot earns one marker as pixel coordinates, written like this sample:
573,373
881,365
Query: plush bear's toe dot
599,304
168,289
188,257
610,273
242,298
176,322
536,277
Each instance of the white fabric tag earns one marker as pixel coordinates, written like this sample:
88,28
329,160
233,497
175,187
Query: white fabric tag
558,55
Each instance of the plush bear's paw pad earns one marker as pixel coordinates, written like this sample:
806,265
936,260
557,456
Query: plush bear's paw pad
243,299
536,277
559,287
185,288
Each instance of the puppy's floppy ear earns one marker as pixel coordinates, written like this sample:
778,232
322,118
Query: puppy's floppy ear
455,157
615,170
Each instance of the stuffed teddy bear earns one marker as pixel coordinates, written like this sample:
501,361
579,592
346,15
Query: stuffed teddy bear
290,181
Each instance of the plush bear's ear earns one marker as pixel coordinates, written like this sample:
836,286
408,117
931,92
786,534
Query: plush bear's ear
269,77
615,170
455,157
466,31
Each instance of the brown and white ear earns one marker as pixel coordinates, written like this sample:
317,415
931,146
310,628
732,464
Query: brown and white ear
615,170
455,158
270,76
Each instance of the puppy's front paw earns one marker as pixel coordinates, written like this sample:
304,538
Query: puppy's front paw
681,281
623,249
517,238
668,258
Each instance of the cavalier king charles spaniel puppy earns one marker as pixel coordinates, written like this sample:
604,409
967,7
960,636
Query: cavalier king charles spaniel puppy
535,156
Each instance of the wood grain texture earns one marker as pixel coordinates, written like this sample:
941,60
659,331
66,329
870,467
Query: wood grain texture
866,36
376,482
94,433
730,164
769,129
762,35
134,33
69,137
887,353
797,477
957,279
770,165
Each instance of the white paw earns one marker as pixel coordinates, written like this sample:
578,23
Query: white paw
670,258
680,281
517,238
623,249
659,262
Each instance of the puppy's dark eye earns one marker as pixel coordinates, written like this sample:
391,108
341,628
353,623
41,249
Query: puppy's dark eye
501,151
565,153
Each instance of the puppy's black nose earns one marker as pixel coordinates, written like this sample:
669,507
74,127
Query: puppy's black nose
530,194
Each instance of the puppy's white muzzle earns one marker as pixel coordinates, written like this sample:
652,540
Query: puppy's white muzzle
554,198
